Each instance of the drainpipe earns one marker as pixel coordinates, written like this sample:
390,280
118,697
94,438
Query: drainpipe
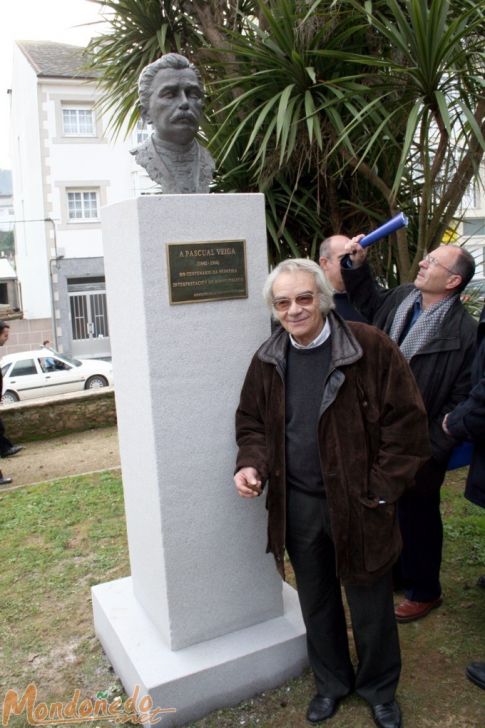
54,260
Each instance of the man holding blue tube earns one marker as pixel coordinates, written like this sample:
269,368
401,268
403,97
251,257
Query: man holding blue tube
437,336
332,250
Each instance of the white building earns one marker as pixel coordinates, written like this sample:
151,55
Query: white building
472,225
9,298
6,200
65,168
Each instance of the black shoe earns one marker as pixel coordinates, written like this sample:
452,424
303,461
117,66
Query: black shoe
387,715
5,481
481,582
321,709
476,673
12,451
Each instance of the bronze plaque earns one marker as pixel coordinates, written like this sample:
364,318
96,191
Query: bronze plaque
207,271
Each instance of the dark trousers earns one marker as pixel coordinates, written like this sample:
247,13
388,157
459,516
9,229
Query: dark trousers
312,554
5,443
419,514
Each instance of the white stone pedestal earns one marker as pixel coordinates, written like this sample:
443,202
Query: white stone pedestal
206,676
202,622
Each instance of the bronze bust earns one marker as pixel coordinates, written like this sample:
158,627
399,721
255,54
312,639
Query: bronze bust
171,98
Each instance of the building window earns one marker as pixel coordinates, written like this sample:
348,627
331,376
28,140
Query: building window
471,197
78,122
142,132
82,205
474,226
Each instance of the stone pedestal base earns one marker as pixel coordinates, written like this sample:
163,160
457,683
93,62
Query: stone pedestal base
201,623
206,676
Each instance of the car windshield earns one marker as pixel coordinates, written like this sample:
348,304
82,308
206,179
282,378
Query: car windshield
64,357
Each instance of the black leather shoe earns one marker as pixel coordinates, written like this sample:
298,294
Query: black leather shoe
476,673
12,451
387,715
5,481
321,709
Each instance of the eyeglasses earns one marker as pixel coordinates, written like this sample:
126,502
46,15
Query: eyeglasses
432,260
303,300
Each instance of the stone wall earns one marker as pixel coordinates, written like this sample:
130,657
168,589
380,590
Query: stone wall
53,416
27,335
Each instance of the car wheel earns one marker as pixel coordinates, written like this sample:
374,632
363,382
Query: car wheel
9,397
96,382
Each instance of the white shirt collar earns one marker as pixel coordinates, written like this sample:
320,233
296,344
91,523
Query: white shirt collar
322,336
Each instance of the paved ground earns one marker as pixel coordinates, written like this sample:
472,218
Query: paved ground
82,452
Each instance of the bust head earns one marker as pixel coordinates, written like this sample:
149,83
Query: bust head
171,98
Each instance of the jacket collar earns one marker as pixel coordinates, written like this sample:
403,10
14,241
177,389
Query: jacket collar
450,336
345,347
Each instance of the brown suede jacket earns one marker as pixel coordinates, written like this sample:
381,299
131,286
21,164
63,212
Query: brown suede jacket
373,437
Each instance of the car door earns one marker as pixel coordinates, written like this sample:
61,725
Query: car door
26,379
60,376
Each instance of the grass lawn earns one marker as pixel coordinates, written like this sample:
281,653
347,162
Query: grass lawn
59,539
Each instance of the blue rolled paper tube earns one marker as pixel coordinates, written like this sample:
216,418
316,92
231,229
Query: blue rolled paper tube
461,455
398,221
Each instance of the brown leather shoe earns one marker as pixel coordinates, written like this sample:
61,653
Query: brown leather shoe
408,611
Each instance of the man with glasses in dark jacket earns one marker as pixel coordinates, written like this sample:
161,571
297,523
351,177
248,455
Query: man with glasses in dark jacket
437,336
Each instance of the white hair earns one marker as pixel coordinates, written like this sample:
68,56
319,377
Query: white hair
292,265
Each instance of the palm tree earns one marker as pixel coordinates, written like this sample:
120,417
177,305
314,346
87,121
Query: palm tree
142,30
341,112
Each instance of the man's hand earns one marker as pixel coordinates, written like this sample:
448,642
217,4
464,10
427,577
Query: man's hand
443,425
248,482
355,251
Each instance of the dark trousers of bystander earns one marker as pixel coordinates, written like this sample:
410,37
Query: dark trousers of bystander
418,570
5,443
312,555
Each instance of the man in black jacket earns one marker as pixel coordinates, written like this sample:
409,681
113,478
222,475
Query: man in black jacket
437,336
6,447
332,250
467,422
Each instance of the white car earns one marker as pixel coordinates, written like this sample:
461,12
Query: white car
45,372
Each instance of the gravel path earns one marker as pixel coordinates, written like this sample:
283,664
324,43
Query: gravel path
82,452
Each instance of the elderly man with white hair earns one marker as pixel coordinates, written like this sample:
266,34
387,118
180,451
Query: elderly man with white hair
331,421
